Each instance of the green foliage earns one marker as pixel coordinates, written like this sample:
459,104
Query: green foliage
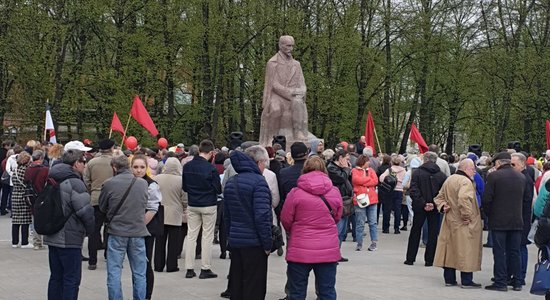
459,69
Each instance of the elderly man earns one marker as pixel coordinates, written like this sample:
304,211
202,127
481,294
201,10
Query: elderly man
248,220
518,163
425,184
459,242
502,202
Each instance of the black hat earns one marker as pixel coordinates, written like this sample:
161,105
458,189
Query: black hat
298,151
106,144
502,155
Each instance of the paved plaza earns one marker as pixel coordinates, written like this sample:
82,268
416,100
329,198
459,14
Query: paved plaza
368,275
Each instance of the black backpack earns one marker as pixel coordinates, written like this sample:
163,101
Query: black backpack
390,181
48,210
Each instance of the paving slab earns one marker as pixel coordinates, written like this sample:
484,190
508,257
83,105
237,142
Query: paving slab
375,275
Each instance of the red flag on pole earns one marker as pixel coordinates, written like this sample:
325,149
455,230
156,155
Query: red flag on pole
417,138
547,134
116,125
140,114
369,133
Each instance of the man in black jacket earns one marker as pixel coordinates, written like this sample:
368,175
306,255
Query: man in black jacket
425,185
202,183
502,201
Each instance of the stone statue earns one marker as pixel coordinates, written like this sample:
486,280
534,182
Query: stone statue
284,108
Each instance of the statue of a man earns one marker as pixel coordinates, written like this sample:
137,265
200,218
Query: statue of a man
284,109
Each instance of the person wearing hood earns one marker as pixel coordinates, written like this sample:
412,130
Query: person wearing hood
425,184
248,219
309,216
393,199
316,148
174,200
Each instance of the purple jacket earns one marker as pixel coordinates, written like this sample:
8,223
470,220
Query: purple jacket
313,236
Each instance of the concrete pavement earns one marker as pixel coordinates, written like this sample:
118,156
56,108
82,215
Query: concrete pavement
24,275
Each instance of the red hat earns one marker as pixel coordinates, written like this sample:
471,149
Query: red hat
530,161
345,144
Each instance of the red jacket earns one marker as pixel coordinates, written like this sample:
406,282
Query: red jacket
37,174
364,184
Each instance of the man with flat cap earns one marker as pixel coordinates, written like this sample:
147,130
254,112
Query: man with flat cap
97,171
502,202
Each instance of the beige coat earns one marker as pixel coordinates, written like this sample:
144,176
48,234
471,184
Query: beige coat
174,198
458,245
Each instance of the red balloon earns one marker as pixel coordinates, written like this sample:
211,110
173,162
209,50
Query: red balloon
87,142
131,143
163,143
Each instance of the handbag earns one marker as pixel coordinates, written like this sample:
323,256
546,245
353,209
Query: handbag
156,225
541,278
347,208
363,200
5,178
277,240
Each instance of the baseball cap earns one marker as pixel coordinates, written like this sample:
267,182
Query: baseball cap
298,151
76,145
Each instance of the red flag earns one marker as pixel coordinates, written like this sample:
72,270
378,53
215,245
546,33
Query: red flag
369,133
417,138
547,134
116,125
140,114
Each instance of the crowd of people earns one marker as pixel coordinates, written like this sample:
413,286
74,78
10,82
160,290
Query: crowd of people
145,203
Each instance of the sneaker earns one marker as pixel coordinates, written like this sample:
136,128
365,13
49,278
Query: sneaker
15,246
451,283
27,246
92,267
37,247
343,259
358,248
206,274
472,285
372,247
190,273
517,288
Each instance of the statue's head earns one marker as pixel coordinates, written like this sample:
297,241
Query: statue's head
286,44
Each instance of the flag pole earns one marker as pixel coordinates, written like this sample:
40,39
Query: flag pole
47,107
125,129
377,141
110,133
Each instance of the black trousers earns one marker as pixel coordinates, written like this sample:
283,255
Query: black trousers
183,235
248,273
222,231
94,240
173,237
150,275
24,234
405,214
420,216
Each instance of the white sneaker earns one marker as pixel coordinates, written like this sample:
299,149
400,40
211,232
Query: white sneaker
27,246
372,247
15,246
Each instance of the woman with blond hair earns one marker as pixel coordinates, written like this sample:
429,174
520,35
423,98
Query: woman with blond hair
309,216
54,154
21,210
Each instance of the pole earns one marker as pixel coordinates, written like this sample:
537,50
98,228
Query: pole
377,141
125,130
110,133
47,107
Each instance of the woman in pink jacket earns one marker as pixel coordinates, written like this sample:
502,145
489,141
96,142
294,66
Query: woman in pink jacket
364,182
309,216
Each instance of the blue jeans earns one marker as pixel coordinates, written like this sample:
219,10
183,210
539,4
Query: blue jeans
65,273
342,228
449,274
117,247
506,244
325,280
368,213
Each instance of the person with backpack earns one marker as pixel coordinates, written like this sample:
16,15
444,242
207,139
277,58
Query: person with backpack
65,245
394,193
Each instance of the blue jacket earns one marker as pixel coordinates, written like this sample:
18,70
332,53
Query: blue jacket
201,181
247,206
